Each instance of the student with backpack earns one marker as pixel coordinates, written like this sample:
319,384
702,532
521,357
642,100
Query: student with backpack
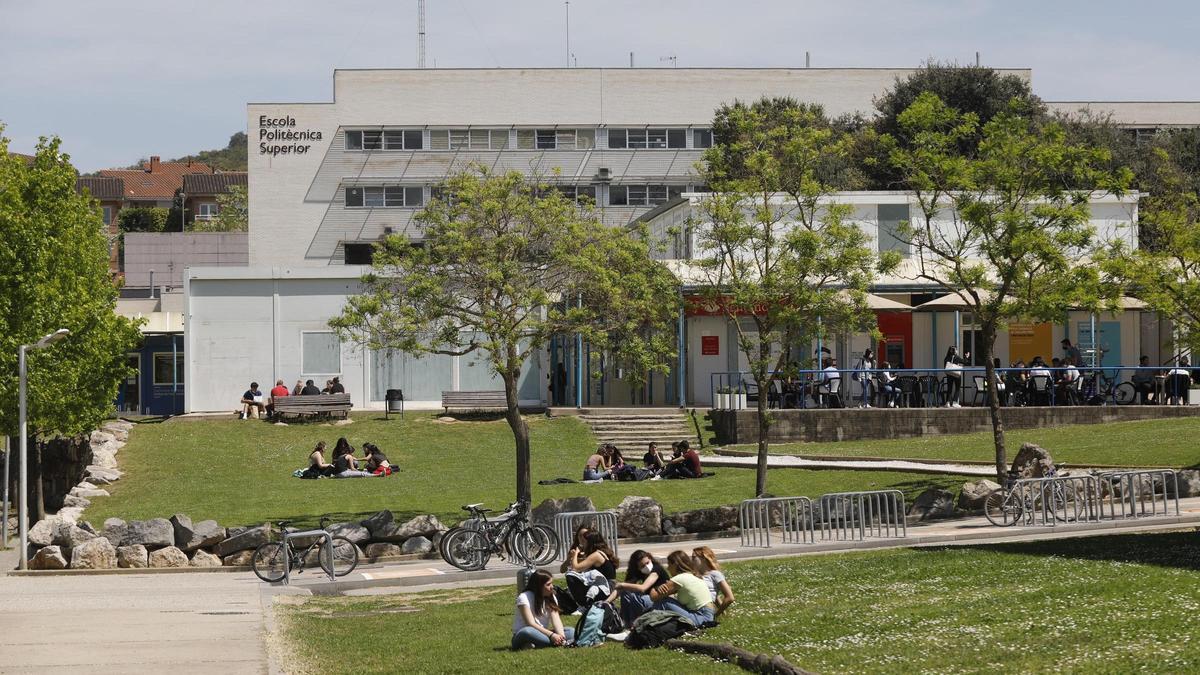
593,571
536,622
685,593
710,571
642,574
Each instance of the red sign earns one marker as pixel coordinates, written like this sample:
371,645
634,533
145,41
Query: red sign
710,345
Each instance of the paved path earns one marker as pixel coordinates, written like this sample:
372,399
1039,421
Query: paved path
792,461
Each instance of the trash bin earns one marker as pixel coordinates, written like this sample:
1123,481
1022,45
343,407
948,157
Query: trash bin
395,401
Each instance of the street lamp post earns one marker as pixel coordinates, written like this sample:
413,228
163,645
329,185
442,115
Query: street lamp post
23,522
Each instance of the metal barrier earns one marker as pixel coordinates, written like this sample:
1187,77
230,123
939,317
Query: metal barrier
1058,499
1129,493
793,515
603,521
326,551
858,515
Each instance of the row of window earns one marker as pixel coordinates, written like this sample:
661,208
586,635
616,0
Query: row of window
526,139
394,196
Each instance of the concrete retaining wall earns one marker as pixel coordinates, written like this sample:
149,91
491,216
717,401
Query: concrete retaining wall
741,426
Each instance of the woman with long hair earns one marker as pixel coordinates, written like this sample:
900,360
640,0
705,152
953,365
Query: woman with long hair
685,594
594,566
344,463
953,366
642,574
317,466
710,572
536,622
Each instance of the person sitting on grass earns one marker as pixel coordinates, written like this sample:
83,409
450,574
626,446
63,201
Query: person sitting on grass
615,459
595,571
317,467
718,587
653,459
252,402
685,593
377,462
642,574
344,463
536,622
597,466
685,463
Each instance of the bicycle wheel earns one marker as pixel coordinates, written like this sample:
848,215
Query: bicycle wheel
1125,393
345,557
535,545
549,546
468,550
1002,508
268,561
444,539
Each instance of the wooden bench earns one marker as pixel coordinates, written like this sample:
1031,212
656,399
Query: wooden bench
315,405
474,400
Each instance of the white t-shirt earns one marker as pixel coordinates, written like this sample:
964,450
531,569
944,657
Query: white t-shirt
712,580
526,600
1071,374
1178,370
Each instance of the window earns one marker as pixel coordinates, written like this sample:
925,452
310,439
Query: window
320,353
358,253
556,139
647,139
390,196
577,192
164,374
643,195
392,139
702,138
206,211
468,139
890,217
547,139
107,211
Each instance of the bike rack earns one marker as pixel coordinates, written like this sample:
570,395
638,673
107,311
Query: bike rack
794,516
1085,507
1130,492
565,524
858,515
327,550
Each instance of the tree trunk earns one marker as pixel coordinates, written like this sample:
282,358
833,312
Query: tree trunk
764,428
520,433
993,402
36,475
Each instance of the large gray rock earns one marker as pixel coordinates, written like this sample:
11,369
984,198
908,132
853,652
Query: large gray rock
245,539
971,497
239,559
416,545
931,504
114,530
190,536
639,517
100,475
69,535
671,528
1188,482
421,526
133,557
716,519
374,552
42,532
71,501
69,514
1032,461
48,558
88,493
153,533
378,522
94,554
168,557
204,559
357,534
544,513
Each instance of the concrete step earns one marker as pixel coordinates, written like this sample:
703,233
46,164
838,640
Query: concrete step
627,418
639,433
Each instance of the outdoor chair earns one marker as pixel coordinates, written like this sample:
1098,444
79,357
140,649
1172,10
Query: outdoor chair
930,387
1177,389
910,391
830,393
979,397
1041,390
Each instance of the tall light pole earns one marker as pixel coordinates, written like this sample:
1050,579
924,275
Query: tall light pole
23,523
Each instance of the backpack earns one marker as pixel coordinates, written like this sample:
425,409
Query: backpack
599,620
629,472
655,627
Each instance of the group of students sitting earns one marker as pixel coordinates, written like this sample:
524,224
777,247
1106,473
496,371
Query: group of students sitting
345,464
691,586
608,463
255,404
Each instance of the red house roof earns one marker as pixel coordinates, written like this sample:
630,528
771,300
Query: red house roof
156,180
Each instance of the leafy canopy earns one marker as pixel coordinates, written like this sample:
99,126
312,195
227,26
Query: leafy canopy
233,213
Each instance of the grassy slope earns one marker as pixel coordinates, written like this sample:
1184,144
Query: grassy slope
1120,603
240,472
1156,442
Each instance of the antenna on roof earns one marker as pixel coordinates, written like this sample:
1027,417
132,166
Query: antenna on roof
807,60
568,32
420,33
976,59
673,59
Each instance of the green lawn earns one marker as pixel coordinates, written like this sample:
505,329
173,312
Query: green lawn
1112,604
1170,442
240,472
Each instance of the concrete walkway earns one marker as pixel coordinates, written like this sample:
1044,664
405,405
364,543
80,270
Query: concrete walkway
794,462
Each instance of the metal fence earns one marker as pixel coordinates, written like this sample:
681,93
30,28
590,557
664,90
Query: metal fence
792,515
1057,499
605,522
858,515
1138,494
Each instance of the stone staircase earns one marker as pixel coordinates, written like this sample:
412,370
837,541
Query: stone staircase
631,429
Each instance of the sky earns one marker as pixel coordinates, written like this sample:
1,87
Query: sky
121,80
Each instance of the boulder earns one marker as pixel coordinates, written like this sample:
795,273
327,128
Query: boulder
670,527
971,497
153,533
88,527
88,493
416,545
544,513
71,501
69,535
114,530
374,552
105,457
99,437
639,517
1188,481
190,536
239,559
378,522
69,514
94,554
204,559
244,540
100,475
420,526
168,557
716,519
933,503
133,557
1032,461
42,532
48,558
357,534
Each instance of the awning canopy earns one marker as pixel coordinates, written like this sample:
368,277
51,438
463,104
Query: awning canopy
961,301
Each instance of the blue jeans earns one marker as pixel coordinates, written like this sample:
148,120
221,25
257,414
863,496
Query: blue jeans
633,605
530,636
594,474
698,618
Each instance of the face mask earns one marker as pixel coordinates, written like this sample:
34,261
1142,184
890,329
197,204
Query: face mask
647,568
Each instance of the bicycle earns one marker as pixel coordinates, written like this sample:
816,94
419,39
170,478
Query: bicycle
1005,506
469,546
273,560
1101,385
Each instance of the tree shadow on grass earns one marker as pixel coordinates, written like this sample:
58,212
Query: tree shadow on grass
1177,549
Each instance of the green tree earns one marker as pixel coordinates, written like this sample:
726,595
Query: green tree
230,158
504,264
1007,228
143,219
233,213
54,274
776,251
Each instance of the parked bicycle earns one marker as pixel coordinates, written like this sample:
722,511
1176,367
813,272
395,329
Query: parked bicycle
1105,390
470,545
1009,504
275,559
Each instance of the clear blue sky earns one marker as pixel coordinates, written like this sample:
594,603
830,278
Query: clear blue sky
119,80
